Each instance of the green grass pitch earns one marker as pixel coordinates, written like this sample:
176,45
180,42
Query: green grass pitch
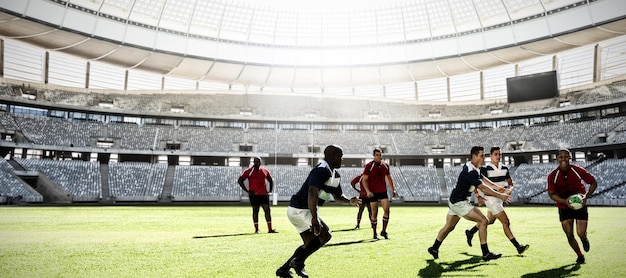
217,241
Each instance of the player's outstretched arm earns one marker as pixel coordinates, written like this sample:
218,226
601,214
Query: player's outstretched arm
354,201
489,191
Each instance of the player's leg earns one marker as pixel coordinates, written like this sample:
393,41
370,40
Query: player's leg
386,210
506,227
374,216
451,221
312,243
582,216
566,216
255,212
268,216
359,215
481,220
581,230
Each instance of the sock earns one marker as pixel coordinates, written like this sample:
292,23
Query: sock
484,248
313,246
515,243
256,226
269,226
436,244
385,222
295,254
374,223
358,222
473,230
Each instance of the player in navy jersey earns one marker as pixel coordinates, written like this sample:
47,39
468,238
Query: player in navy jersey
460,206
323,181
498,178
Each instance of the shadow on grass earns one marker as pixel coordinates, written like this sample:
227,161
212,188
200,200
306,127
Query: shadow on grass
438,269
350,242
226,235
564,271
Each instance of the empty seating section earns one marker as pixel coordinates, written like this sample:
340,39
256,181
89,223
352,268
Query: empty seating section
136,137
56,131
229,103
288,179
530,179
553,136
610,177
421,182
7,121
353,142
136,181
280,141
206,183
601,93
210,140
11,187
80,178
451,174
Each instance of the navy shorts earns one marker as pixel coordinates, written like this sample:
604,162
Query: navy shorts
579,214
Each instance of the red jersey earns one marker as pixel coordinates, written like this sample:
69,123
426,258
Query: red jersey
376,173
357,179
568,182
256,180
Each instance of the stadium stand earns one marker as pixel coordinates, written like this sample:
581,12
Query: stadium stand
206,183
79,178
136,181
11,188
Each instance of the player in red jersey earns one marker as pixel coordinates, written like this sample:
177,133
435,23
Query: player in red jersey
364,201
257,190
374,175
564,181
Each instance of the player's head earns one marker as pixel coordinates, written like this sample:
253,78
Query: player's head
495,155
378,155
477,155
257,161
333,154
563,157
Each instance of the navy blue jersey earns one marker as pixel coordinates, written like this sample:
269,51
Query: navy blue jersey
469,178
320,177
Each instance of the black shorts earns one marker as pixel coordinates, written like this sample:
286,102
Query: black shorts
364,200
580,214
378,196
257,200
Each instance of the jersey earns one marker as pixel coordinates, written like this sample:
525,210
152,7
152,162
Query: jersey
321,176
357,179
469,178
376,173
569,182
257,179
497,174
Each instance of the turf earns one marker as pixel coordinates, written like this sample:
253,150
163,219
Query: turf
217,241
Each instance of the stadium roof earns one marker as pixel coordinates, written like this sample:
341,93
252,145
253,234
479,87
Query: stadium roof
311,44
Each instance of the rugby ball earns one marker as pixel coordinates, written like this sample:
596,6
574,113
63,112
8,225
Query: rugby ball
576,201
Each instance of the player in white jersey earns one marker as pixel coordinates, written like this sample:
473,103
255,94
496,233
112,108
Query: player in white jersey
497,176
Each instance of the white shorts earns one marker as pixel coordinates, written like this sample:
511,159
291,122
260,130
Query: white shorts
301,218
461,208
494,204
